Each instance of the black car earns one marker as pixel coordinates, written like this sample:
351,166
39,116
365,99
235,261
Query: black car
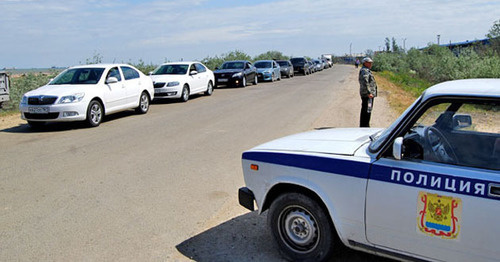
286,68
300,65
235,73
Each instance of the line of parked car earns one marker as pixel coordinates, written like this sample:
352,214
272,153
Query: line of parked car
242,72
89,92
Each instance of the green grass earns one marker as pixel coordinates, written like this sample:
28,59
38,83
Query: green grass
407,82
22,84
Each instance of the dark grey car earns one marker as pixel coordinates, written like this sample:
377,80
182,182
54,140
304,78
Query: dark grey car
300,65
286,68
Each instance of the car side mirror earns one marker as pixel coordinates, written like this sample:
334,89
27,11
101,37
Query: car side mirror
150,73
216,68
461,121
193,73
397,148
111,80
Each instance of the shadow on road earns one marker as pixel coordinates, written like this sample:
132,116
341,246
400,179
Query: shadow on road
247,238
65,126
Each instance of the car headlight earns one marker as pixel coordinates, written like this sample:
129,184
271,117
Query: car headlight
72,98
173,83
238,74
24,100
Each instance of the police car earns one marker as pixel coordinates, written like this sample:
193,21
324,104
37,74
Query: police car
425,188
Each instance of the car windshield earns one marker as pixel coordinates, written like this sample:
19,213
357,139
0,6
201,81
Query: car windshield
263,64
283,63
171,70
233,65
79,76
297,60
379,138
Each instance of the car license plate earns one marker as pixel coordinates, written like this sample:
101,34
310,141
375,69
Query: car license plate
38,110
223,80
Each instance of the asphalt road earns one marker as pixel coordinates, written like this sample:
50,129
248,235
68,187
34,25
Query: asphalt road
155,187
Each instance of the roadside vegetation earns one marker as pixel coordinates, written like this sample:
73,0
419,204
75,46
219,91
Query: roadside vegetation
417,69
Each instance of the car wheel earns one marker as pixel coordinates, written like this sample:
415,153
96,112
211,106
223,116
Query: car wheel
210,89
185,93
244,81
36,124
255,80
94,113
301,228
144,102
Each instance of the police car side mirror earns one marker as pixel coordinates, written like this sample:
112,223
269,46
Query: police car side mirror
397,148
461,121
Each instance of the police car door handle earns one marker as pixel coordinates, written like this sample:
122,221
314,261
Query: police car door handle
494,190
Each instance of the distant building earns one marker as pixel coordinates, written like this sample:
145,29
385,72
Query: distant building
457,48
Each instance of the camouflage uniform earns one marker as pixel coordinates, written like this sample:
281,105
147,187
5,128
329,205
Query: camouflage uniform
367,86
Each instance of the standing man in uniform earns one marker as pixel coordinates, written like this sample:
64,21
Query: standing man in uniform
367,91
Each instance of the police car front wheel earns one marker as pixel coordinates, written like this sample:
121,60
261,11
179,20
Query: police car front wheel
301,228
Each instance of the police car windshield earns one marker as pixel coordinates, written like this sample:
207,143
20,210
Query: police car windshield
379,138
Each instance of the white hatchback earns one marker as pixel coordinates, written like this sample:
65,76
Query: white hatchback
87,93
182,79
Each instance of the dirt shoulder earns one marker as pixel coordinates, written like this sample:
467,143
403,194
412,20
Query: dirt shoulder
10,121
345,107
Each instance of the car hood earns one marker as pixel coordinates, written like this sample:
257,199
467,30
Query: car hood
59,90
340,141
166,78
227,71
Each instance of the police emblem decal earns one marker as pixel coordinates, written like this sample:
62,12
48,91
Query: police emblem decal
439,216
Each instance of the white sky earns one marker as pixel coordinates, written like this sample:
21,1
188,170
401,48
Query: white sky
44,33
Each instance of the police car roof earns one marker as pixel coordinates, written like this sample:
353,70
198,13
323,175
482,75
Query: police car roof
466,88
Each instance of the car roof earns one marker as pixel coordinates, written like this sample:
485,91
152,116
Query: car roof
230,61
465,88
264,61
99,65
181,63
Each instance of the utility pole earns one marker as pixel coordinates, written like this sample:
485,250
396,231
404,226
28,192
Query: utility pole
404,44
438,36
350,50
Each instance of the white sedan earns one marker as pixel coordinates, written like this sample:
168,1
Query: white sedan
181,79
87,93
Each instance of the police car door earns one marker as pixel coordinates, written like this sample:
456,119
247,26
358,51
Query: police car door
440,201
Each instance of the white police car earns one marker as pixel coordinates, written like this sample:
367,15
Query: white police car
425,188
